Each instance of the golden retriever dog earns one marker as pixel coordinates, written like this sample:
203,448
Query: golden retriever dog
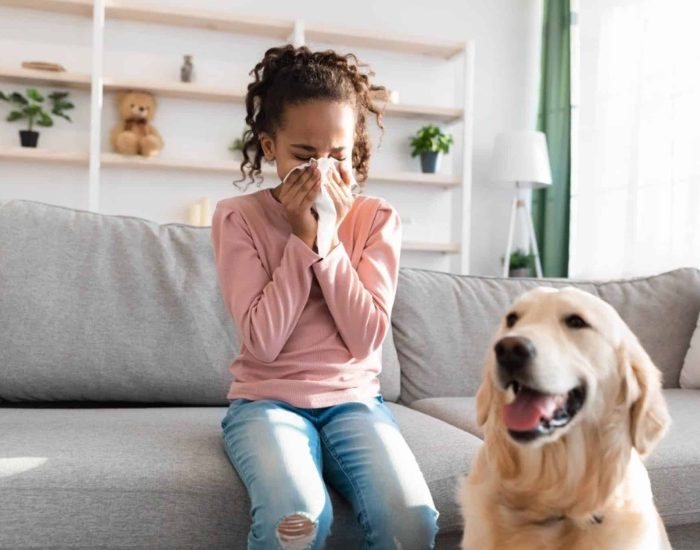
569,404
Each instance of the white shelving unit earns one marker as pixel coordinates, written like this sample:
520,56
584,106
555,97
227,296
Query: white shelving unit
295,31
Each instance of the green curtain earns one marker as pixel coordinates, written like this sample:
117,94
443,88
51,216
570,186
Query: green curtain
550,206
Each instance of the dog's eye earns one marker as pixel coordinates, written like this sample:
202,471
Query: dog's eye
575,321
511,319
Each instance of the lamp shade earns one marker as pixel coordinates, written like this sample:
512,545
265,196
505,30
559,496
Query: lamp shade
521,157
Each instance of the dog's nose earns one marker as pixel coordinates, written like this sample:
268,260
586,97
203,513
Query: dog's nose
514,352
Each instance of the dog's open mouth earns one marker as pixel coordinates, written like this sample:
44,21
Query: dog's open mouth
530,414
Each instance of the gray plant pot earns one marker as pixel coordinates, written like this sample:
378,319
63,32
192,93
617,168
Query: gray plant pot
520,272
430,162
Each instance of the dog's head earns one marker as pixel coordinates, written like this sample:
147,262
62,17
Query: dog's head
564,359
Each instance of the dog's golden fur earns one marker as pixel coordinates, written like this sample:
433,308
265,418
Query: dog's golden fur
584,486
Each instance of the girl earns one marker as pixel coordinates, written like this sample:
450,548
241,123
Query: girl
305,404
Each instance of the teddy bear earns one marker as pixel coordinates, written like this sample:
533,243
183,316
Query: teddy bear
134,135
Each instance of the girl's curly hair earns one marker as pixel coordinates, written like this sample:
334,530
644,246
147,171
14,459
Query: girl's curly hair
288,76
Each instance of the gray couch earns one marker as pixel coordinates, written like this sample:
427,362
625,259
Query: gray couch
114,348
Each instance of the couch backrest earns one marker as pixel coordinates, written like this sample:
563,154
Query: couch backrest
444,323
115,308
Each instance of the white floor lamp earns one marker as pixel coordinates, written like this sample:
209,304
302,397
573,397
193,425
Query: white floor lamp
521,158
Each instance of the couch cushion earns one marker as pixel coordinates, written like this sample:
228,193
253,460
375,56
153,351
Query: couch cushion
160,477
674,465
109,308
444,454
115,308
690,374
684,537
444,323
662,311
458,411
129,477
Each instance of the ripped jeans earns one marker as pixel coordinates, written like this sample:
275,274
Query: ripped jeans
283,454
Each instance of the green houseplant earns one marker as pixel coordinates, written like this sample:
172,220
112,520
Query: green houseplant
30,106
520,263
429,142
238,144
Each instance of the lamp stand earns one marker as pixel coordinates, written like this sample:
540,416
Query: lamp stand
520,202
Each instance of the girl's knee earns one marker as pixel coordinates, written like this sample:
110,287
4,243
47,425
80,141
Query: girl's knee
295,531
427,525
414,529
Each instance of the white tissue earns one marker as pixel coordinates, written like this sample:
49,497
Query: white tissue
323,205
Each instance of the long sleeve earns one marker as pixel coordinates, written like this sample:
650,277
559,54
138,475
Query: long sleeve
265,308
360,301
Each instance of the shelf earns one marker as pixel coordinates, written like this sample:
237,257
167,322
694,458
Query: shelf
232,167
415,246
43,155
280,29
383,41
81,81
261,26
181,90
72,7
443,114
274,28
186,90
419,178
45,78
158,163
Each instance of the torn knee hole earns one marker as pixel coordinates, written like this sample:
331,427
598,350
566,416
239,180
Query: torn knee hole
296,528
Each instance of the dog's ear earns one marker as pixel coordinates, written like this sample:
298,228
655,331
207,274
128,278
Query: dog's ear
484,395
649,418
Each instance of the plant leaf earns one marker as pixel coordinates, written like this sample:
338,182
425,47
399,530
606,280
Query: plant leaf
430,138
14,115
18,98
44,120
32,93
62,115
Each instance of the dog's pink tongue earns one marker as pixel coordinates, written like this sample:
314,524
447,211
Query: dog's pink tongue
524,414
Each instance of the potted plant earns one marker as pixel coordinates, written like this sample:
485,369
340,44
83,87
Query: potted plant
238,143
520,264
429,142
31,107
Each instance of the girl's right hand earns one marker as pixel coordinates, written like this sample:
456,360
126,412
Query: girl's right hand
297,195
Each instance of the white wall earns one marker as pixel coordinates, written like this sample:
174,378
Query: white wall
507,35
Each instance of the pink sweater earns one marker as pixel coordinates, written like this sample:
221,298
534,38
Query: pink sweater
311,328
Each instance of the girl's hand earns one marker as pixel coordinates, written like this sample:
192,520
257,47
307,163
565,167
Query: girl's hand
340,182
297,195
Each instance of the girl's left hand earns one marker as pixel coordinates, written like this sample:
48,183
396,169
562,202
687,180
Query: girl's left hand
340,182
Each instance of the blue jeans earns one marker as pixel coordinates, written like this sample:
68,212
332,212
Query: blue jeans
283,454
